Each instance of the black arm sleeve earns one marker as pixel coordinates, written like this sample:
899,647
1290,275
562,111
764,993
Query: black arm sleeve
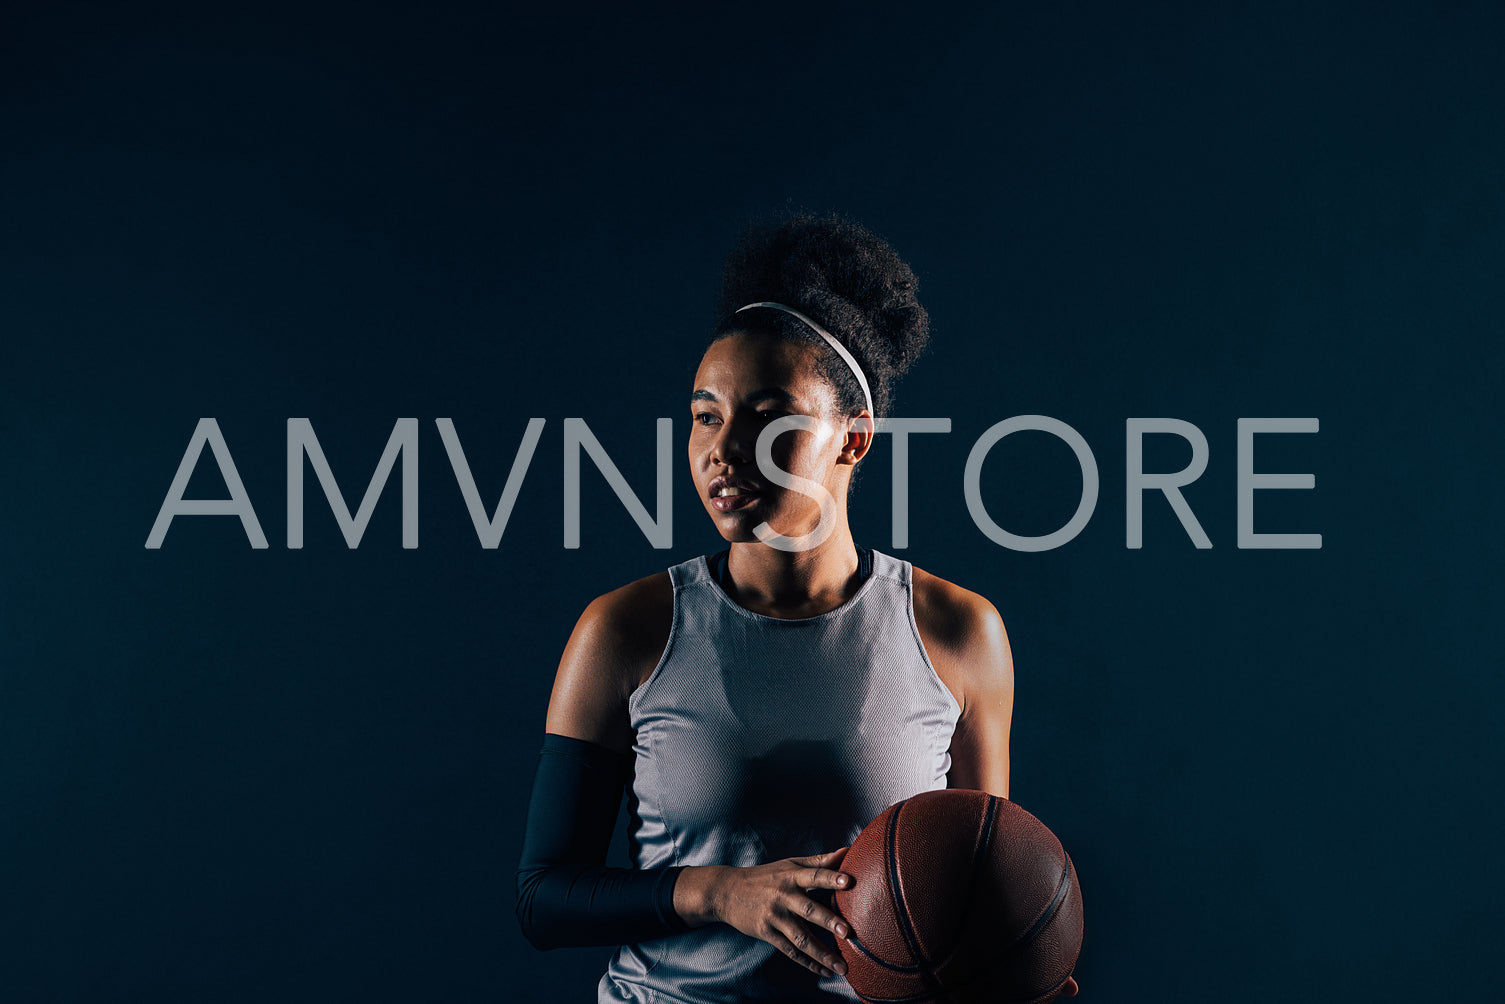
565,894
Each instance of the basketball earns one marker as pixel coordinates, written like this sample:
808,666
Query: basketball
959,896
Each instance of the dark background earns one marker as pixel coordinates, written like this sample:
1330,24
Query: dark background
247,775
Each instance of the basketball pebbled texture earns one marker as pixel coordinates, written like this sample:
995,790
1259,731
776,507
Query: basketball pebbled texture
959,896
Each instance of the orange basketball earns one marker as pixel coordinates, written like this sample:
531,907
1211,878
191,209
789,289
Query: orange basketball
959,896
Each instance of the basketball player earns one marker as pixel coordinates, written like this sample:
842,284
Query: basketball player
762,704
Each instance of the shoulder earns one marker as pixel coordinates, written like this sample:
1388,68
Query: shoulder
963,634
954,615
615,644
630,623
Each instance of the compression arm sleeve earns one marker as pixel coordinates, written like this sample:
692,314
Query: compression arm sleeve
565,894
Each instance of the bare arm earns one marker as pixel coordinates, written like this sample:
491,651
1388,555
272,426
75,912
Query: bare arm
965,639
608,652
980,745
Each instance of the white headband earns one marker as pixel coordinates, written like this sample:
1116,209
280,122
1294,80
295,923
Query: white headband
841,350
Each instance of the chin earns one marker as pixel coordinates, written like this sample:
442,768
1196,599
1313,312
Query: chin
735,529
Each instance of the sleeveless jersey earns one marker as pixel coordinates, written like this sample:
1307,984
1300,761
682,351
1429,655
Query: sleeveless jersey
760,738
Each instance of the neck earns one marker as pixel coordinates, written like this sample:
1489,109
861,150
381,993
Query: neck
794,583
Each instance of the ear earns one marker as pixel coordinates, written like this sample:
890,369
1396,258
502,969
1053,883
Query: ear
860,433
1070,989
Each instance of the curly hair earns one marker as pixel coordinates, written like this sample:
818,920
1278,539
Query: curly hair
843,276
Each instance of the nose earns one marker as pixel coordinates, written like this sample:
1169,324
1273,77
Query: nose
732,445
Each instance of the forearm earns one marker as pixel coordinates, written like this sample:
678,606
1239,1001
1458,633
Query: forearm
573,905
566,896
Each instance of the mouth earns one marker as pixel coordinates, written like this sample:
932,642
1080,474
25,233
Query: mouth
729,494
729,499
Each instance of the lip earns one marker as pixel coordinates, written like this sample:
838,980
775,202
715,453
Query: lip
732,503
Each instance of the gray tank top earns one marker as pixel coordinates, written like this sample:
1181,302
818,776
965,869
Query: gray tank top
761,738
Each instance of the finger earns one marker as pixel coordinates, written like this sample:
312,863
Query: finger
817,949
808,909
798,921
822,860
804,940
776,938
823,878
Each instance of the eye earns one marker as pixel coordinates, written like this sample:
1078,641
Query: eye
705,418
769,414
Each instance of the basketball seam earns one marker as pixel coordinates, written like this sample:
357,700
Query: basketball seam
1063,888
1050,911
1040,925
896,967
1041,922
984,839
901,912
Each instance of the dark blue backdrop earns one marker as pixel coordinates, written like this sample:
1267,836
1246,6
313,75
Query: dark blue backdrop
247,775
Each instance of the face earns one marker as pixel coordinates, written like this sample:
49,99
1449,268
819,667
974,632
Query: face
745,382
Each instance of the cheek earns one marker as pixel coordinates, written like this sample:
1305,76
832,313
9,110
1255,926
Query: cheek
809,456
698,442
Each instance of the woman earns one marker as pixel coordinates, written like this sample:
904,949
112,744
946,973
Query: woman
762,704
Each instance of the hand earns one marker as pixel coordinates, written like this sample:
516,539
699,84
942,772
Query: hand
770,902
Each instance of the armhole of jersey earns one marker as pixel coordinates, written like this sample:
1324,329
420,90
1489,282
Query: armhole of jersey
914,626
636,695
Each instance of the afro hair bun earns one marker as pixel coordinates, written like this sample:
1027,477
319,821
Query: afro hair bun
846,278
